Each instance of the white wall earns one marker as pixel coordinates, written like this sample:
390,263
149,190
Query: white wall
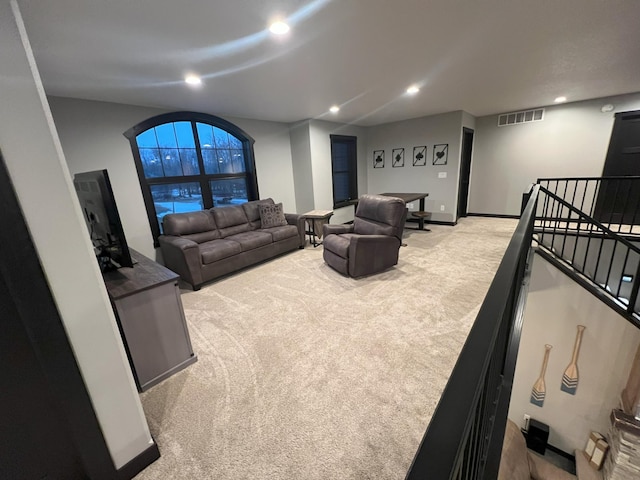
301,162
437,129
40,176
571,141
320,142
555,306
92,137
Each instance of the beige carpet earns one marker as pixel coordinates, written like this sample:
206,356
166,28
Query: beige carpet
305,374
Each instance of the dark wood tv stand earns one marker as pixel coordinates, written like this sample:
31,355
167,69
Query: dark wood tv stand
148,308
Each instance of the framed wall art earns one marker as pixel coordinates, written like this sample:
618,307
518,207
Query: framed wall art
397,158
440,153
420,156
378,159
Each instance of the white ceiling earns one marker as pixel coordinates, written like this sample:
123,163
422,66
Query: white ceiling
481,56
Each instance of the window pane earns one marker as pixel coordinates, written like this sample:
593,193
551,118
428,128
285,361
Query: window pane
210,161
228,191
205,135
237,160
171,162
176,198
234,142
222,138
184,132
340,187
189,161
166,135
224,161
147,139
151,163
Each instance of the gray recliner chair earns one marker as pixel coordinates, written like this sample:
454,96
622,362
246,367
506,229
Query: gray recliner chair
372,243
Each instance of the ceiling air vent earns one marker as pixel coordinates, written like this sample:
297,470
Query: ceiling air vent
521,117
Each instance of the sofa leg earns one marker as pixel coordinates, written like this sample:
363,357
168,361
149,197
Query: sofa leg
196,287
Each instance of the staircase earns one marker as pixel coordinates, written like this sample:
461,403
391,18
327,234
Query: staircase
590,229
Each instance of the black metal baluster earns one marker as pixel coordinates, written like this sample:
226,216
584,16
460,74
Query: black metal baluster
615,199
624,205
613,255
575,244
596,192
634,291
624,268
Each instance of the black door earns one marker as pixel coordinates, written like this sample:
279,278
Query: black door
619,200
48,428
465,171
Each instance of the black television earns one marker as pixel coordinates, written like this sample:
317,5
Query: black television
103,220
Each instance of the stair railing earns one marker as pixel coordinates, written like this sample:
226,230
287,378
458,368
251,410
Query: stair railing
590,249
465,435
613,201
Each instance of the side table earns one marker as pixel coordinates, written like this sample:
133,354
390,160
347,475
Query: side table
314,221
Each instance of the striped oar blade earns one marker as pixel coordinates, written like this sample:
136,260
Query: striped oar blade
570,376
539,390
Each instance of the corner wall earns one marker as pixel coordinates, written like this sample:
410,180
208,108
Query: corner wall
555,306
571,141
92,137
37,167
437,129
320,145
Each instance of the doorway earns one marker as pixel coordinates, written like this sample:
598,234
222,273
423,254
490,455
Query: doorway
618,201
465,171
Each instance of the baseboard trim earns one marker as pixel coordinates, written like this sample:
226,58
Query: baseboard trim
139,463
493,215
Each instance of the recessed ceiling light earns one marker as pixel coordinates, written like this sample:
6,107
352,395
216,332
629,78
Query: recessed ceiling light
279,28
413,89
334,109
193,80
560,99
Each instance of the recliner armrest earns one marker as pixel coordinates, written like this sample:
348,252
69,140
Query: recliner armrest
297,220
183,257
328,229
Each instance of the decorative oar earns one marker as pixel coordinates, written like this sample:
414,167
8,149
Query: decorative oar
570,377
539,388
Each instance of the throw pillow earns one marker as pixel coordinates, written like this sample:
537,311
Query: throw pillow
272,215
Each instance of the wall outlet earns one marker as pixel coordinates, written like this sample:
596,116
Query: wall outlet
442,208
410,206
527,419
442,174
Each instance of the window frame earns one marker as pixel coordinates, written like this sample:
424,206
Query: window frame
352,169
203,178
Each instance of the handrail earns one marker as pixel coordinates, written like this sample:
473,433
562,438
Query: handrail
467,428
564,179
589,219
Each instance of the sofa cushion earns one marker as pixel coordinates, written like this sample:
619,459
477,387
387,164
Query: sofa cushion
338,244
251,240
230,220
282,232
218,249
253,213
198,226
514,461
272,215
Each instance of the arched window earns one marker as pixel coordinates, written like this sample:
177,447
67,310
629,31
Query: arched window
190,161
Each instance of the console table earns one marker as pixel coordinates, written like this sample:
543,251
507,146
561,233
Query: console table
148,308
412,197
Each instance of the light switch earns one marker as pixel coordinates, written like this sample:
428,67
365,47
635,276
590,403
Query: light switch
442,174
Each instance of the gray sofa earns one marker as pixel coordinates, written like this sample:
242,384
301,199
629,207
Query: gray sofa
204,245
